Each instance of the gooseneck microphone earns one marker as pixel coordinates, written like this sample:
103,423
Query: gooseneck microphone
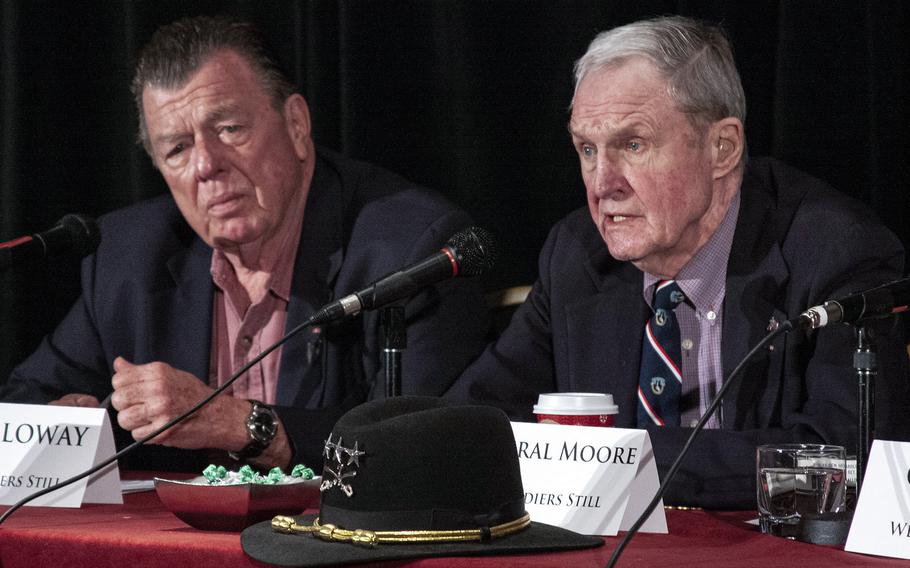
881,301
73,234
469,252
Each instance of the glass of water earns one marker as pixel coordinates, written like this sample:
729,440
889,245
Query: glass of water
796,480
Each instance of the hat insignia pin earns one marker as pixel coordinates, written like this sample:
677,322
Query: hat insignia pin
344,462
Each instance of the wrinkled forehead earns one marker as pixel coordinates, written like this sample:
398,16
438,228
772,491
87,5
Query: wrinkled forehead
222,79
619,93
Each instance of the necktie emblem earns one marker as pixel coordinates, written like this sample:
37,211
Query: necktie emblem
657,385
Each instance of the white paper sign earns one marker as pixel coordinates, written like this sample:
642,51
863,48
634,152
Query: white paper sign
591,480
43,445
881,522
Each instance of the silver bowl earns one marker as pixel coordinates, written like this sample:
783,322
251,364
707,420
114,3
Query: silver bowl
234,507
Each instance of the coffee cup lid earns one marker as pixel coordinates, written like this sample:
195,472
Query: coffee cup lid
575,403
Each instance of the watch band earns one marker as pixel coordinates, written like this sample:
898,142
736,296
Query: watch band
262,426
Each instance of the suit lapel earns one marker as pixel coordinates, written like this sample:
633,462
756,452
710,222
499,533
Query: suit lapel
183,330
756,279
604,334
319,257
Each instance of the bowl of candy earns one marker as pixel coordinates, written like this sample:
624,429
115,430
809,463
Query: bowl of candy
222,500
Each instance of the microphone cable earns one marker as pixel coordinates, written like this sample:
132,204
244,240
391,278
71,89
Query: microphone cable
671,473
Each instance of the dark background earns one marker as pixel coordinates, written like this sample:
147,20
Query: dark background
468,97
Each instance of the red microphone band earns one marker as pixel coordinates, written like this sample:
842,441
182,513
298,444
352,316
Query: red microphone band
448,252
15,242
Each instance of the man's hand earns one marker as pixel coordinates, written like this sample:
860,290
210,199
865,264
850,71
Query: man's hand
148,396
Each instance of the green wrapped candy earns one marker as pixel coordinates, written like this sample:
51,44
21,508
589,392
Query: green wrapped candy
214,473
301,470
210,473
275,476
248,474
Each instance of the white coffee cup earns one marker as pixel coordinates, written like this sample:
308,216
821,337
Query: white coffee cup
576,408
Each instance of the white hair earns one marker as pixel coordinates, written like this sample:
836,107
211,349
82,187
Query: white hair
694,57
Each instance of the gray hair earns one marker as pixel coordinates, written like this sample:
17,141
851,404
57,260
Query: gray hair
695,57
177,50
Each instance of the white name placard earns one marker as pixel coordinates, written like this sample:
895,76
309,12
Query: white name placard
591,480
43,445
881,522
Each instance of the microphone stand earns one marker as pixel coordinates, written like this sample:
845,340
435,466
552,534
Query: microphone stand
866,365
394,340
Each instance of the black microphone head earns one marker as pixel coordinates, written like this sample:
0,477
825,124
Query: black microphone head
81,234
475,250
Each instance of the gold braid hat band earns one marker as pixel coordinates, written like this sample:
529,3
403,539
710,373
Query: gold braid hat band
370,539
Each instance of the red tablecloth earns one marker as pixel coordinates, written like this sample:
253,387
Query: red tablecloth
142,533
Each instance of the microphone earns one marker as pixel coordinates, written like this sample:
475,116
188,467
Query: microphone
73,234
469,252
881,301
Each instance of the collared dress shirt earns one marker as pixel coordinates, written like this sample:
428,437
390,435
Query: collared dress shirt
242,329
703,281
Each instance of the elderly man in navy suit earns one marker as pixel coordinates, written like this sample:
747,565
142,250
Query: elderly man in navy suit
675,205
260,229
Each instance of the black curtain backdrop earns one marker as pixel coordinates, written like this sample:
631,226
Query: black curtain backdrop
468,97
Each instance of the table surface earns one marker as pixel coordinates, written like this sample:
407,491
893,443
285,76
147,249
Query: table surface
141,532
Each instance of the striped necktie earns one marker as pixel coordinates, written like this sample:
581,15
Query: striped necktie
660,378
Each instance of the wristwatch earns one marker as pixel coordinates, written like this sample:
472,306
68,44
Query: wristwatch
262,425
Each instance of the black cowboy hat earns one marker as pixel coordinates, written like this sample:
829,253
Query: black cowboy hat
413,477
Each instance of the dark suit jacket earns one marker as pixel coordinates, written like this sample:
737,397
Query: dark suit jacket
147,295
797,243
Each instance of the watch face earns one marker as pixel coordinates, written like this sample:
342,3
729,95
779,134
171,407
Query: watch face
262,424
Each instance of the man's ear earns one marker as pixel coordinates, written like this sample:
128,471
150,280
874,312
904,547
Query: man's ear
728,142
297,119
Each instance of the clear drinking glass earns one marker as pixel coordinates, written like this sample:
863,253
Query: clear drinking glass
798,479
